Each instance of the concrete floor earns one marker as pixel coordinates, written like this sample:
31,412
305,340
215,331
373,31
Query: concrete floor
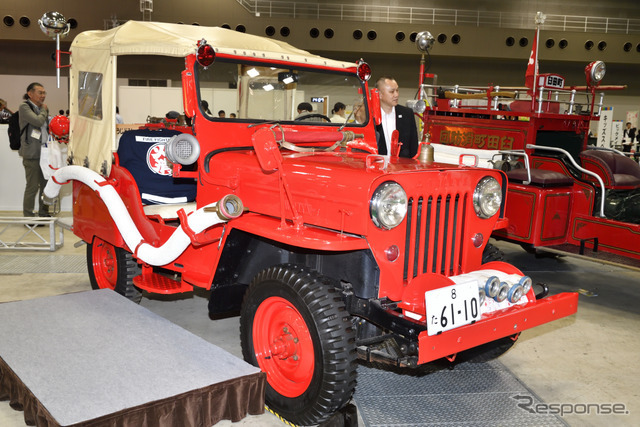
589,358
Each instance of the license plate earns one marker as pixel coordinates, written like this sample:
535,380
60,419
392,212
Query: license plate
451,307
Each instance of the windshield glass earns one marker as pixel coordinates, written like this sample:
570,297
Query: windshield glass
255,93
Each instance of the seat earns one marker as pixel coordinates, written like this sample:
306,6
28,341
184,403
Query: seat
617,172
540,177
142,153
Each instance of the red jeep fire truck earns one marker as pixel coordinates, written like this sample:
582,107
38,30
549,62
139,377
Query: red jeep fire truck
329,250
568,193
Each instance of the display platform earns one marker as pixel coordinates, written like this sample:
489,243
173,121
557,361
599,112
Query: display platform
470,394
96,359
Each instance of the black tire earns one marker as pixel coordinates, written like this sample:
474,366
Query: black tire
111,267
316,375
491,253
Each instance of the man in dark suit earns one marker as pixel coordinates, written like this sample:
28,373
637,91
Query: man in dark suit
628,138
395,117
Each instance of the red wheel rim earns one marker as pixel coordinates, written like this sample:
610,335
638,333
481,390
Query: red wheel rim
283,346
103,257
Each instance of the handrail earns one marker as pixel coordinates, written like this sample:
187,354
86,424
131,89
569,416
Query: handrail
506,94
436,16
580,168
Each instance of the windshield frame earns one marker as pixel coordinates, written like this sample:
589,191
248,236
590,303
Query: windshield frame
235,60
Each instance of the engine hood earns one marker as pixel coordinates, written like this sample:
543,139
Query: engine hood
330,190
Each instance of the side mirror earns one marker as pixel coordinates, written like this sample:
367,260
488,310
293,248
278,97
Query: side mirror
374,102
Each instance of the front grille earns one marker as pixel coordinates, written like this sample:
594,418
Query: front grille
434,233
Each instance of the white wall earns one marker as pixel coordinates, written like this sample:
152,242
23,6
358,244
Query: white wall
138,102
13,89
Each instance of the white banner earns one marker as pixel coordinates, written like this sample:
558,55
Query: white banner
632,117
604,127
616,133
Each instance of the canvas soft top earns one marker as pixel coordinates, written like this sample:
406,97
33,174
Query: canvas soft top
159,38
94,56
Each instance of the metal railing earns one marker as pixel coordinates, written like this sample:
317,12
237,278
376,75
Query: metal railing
490,98
433,16
22,233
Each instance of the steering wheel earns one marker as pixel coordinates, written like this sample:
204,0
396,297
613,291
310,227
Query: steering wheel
312,115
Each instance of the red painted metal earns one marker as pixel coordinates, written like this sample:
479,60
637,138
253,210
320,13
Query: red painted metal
499,325
283,346
105,264
157,283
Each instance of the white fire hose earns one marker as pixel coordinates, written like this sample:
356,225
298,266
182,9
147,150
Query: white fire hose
229,207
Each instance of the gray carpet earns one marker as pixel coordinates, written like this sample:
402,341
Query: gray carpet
89,354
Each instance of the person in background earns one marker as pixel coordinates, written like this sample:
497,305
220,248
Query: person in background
395,117
5,113
119,119
222,114
33,118
232,116
338,113
205,107
304,109
628,138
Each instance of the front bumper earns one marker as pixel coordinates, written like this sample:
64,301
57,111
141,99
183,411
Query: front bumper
498,325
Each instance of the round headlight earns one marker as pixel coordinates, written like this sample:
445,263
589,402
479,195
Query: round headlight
595,72
388,205
487,197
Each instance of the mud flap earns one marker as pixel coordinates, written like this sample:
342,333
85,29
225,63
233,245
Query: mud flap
225,301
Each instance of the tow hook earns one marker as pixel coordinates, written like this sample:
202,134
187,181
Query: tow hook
544,292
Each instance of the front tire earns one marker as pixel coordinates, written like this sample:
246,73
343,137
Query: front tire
111,267
294,326
491,253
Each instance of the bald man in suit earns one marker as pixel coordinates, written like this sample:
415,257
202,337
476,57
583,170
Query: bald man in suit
395,117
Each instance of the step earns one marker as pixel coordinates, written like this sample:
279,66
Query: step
159,284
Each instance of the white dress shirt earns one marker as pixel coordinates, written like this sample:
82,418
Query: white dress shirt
388,126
